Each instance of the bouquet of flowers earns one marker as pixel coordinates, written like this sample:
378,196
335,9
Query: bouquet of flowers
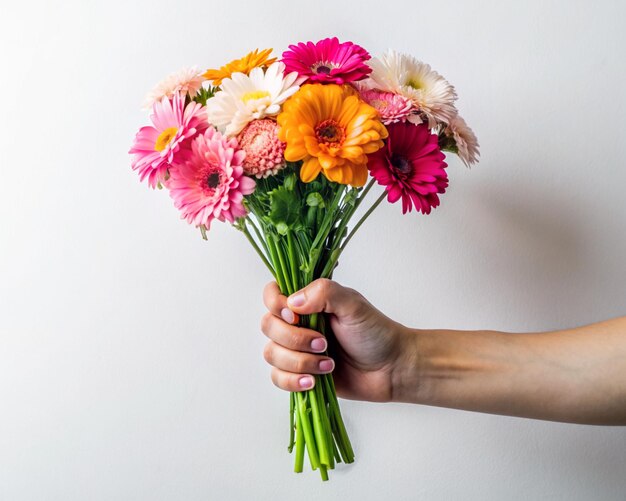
287,151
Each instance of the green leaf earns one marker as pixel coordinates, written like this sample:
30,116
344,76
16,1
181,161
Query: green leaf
351,196
447,143
290,181
315,200
284,207
204,94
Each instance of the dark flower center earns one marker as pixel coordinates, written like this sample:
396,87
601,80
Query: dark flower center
330,132
401,163
213,180
324,70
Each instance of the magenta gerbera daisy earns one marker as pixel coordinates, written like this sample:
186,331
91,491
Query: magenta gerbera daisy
211,183
410,166
157,147
328,61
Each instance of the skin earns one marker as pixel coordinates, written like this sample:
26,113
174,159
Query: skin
572,375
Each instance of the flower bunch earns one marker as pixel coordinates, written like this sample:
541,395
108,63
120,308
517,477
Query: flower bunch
286,150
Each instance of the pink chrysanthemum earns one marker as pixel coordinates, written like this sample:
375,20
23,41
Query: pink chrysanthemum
410,166
264,151
391,107
328,61
211,183
158,146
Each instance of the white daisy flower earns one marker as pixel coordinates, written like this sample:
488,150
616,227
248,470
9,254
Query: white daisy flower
185,81
244,98
428,90
465,139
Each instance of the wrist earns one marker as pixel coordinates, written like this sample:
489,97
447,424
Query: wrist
446,367
406,383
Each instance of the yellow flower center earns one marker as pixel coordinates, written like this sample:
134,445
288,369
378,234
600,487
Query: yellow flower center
330,132
255,94
165,138
414,84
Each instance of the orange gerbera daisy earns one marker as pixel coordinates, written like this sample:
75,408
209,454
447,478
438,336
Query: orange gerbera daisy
245,65
331,130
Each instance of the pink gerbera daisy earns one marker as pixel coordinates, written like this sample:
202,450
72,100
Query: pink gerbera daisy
328,61
264,151
158,146
211,183
410,166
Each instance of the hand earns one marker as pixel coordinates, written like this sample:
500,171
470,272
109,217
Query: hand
366,348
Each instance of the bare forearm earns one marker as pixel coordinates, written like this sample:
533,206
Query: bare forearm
576,375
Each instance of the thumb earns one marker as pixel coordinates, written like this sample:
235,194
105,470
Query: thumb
323,295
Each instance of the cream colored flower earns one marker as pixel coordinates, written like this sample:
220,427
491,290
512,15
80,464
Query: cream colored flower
186,81
428,90
465,139
244,98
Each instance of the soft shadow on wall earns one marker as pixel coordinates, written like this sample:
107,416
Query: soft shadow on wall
538,253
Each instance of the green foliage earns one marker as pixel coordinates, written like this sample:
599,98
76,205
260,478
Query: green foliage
315,200
204,94
447,143
291,181
285,208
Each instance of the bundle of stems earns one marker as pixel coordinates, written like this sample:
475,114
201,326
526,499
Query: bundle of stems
299,231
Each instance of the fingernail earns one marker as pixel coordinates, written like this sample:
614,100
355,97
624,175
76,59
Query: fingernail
287,315
305,382
327,365
318,344
297,299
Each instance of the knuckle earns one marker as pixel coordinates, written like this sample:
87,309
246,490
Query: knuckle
268,353
271,296
295,340
300,365
275,378
324,285
265,322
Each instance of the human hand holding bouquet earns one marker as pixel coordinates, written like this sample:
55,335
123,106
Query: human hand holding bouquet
283,151
367,345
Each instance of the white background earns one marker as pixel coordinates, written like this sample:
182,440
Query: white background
130,352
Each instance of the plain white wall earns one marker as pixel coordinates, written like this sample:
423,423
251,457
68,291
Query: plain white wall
130,353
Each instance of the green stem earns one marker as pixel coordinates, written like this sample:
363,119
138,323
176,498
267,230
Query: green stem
365,192
318,427
336,253
245,231
363,218
293,262
285,266
348,215
328,219
303,416
292,408
257,232
279,271
326,428
299,462
346,446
